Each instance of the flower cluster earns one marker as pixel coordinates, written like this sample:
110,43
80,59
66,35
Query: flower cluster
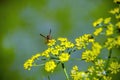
112,42
82,41
90,55
55,53
78,75
50,66
114,67
29,63
60,51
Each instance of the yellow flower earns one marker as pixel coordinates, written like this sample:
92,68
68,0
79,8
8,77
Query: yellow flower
116,1
64,57
80,76
55,52
51,42
118,24
88,56
107,78
100,62
29,63
118,41
60,48
97,22
46,52
82,41
69,44
117,16
98,31
74,70
62,39
107,20
109,30
110,43
94,78
91,69
114,67
116,10
50,66
96,47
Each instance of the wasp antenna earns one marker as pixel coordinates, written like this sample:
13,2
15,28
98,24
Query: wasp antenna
42,35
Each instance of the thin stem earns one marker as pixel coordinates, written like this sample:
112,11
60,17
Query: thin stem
48,77
67,77
38,65
109,56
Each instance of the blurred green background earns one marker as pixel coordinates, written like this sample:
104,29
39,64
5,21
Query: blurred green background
21,22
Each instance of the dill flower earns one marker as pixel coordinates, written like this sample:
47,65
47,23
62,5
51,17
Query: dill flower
100,62
107,78
117,16
88,56
94,78
64,57
46,52
50,66
80,76
114,67
98,31
110,43
107,20
82,41
96,47
55,51
118,24
97,22
74,70
62,39
114,11
116,1
118,41
109,30
29,63
91,69
69,44
51,42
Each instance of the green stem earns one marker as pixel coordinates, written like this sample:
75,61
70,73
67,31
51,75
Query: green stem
48,77
67,77
109,56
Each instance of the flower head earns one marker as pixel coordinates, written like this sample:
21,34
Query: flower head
29,63
82,41
64,57
114,11
114,67
109,30
98,31
50,66
116,1
118,24
51,42
107,20
97,22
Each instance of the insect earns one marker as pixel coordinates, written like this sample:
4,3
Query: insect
48,37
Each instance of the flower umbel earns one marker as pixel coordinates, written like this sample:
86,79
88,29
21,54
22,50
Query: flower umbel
98,31
64,57
114,67
98,22
51,42
29,63
50,66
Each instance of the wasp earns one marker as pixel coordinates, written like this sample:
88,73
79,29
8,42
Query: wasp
48,37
